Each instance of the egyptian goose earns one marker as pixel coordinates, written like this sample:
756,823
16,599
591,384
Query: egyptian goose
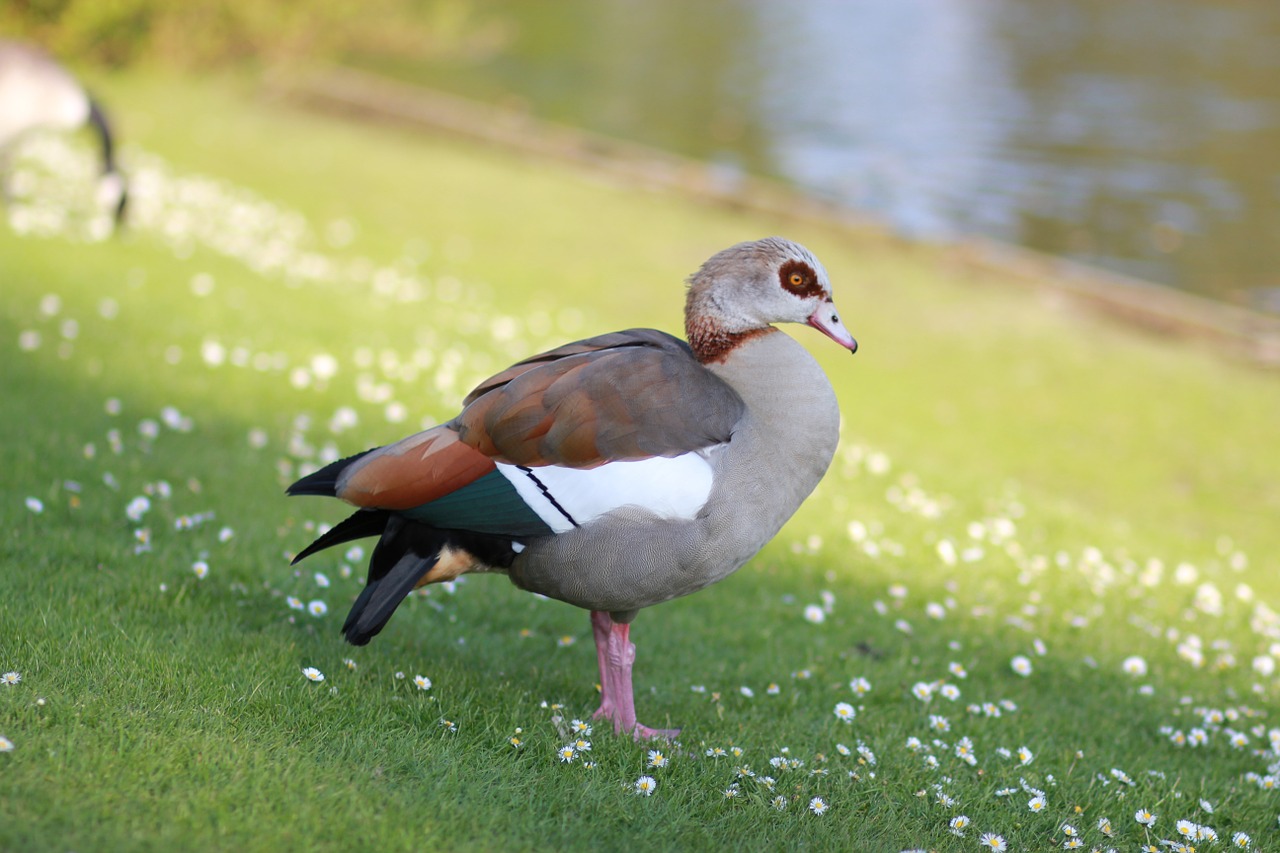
37,93
616,472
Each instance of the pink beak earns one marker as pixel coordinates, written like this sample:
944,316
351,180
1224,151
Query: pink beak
827,321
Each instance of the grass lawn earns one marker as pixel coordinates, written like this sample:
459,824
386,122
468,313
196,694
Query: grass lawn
1042,531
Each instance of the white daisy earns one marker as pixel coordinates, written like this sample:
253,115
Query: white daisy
567,753
646,785
1021,664
1120,776
1145,817
1135,666
10,678
422,681
844,711
137,508
313,674
318,608
6,745
993,842
818,805
657,759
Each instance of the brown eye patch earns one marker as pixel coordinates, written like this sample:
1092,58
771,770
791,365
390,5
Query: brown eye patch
799,278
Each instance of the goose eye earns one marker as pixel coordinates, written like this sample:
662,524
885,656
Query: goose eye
796,279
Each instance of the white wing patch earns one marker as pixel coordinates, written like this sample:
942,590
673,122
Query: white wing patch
567,497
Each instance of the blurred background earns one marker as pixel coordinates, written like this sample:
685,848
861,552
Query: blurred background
1141,137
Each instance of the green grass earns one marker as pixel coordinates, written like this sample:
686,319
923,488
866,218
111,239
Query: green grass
159,711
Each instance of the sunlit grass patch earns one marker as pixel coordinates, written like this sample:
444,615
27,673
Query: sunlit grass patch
963,639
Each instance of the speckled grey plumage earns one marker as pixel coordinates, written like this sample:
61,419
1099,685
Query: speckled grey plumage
628,560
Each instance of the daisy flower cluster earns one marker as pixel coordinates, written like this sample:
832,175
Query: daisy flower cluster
964,719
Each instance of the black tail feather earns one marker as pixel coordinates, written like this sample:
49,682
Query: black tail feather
360,524
380,599
403,556
325,481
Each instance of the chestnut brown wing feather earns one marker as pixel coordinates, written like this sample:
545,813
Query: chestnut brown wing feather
626,395
414,471
611,340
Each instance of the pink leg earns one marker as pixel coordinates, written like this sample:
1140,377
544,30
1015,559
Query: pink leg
600,624
616,659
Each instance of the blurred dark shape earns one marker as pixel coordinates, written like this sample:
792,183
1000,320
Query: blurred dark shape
36,93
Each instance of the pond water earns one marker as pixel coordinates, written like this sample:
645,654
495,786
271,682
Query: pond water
1142,136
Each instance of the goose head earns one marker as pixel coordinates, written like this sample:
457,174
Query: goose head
744,289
